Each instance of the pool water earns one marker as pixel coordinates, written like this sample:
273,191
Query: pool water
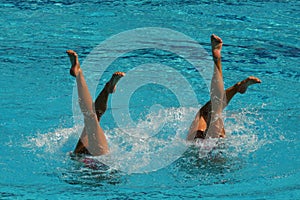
259,159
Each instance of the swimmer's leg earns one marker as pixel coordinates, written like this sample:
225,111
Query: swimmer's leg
100,107
239,87
203,116
92,138
208,121
216,126
200,123
110,87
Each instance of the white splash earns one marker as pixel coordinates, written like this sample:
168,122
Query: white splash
53,141
140,150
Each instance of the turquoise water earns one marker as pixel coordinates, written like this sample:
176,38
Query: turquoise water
260,156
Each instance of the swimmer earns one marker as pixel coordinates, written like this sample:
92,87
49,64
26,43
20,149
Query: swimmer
208,122
92,140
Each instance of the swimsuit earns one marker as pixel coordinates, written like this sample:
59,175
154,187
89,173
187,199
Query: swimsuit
200,134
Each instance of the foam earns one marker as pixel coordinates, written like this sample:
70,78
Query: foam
159,140
52,142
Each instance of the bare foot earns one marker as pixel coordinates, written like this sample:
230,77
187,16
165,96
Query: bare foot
216,46
111,84
243,85
74,70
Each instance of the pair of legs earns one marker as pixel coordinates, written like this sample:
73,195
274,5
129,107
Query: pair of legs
92,140
208,122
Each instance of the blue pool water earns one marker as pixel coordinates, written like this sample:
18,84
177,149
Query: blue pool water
259,159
